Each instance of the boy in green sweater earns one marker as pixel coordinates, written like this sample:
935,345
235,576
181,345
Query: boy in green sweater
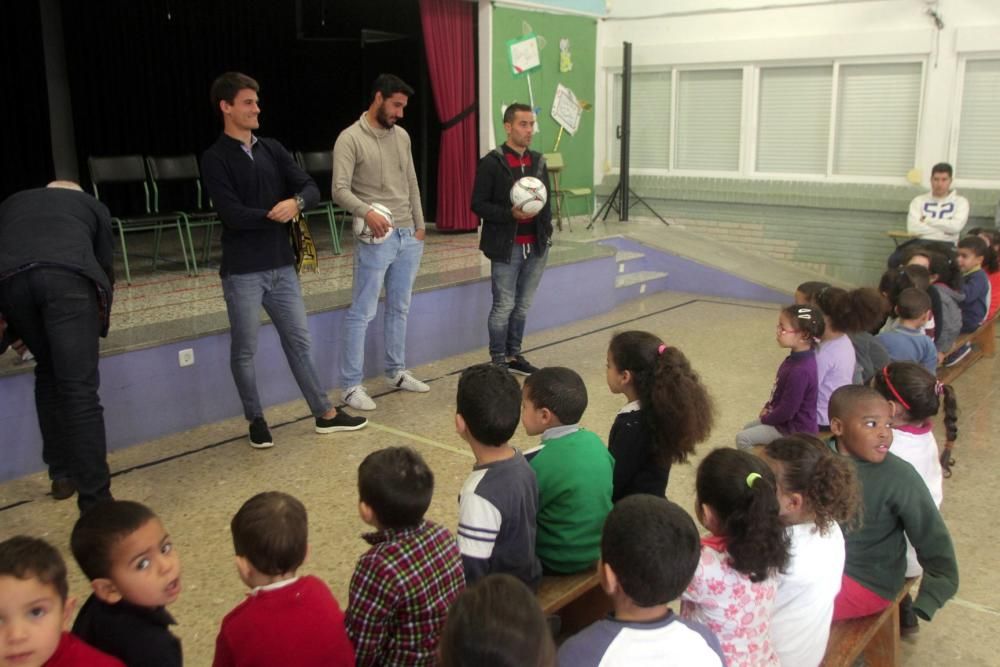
573,468
896,506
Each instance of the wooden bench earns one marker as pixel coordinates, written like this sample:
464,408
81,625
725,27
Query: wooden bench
577,599
899,236
984,344
876,637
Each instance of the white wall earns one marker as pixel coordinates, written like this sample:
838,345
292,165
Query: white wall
710,32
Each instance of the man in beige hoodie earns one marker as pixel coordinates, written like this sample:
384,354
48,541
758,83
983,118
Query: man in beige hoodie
373,164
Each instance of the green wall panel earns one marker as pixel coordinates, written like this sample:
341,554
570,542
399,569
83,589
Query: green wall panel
577,150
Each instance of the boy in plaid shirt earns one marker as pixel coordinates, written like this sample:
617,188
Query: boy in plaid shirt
403,586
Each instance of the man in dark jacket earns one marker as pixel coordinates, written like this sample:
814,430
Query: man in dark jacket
258,189
56,278
516,243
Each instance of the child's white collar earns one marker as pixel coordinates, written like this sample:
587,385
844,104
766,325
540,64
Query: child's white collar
273,587
630,407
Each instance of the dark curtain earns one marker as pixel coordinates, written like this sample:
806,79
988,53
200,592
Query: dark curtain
140,72
449,42
26,160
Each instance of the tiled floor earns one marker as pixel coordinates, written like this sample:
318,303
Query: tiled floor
196,480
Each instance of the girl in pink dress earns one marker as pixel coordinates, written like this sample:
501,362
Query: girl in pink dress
733,589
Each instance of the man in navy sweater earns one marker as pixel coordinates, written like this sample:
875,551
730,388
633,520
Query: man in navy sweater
258,189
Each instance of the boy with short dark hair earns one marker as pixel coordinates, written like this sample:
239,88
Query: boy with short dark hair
304,625
573,468
404,584
906,341
34,609
649,552
133,568
896,506
976,289
499,500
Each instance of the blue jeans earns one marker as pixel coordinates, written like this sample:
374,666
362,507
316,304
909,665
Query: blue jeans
278,291
514,286
55,313
393,263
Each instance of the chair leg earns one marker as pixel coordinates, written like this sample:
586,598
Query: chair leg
121,238
180,235
331,216
193,268
157,234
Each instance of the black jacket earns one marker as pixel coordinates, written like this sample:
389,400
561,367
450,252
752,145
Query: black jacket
491,202
243,191
62,228
138,636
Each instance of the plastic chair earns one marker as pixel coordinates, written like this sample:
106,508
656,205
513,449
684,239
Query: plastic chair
129,170
182,171
319,165
555,164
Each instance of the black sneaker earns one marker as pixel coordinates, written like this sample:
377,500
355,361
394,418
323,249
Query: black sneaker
520,366
260,434
63,488
340,422
501,364
958,355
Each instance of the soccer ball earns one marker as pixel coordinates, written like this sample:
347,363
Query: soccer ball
364,234
529,195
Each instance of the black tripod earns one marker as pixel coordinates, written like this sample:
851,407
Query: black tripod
621,197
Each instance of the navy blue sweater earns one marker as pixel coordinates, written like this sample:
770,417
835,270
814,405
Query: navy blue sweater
243,190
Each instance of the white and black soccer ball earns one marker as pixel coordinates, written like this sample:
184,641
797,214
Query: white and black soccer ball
364,234
529,194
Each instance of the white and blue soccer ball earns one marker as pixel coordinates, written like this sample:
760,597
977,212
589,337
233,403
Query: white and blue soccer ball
529,194
364,234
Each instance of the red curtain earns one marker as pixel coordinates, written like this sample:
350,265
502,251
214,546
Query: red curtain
447,27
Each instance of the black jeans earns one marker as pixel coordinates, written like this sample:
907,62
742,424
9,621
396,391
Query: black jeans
55,313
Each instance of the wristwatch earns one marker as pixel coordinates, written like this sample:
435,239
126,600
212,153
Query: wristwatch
300,202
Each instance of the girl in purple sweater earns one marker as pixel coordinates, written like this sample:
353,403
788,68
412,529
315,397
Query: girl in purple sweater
792,406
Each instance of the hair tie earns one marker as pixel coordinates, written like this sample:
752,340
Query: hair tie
751,478
659,350
938,388
888,383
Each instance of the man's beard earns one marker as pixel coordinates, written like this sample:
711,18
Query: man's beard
383,118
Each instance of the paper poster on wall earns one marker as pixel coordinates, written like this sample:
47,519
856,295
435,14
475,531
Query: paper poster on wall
523,54
566,110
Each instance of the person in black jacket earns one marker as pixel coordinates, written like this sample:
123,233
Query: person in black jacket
56,278
258,189
516,243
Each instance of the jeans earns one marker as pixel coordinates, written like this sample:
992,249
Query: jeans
278,291
393,263
55,313
756,433
514,286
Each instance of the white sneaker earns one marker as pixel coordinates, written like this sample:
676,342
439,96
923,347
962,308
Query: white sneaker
405,381
358,398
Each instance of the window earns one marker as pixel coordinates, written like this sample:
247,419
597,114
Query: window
793,123
979,130
878,107
709,110
650,144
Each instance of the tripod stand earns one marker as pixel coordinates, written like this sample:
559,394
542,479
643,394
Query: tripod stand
612,203
622,191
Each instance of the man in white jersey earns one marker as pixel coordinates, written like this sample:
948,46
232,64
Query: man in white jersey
936,219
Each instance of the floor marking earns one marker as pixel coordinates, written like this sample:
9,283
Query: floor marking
404,434
976,606
421,439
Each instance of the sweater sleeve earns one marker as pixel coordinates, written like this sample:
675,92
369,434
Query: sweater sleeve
344,159
915,217
976,288
223,652
956,223
479,524
948,327
626,449
416,208
232,211
792,393
103,246
298,181
483,205
929,536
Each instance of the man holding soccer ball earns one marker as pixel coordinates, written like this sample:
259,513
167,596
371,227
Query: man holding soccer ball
374,179
516,236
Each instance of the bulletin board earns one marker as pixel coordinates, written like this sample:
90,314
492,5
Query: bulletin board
577,150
